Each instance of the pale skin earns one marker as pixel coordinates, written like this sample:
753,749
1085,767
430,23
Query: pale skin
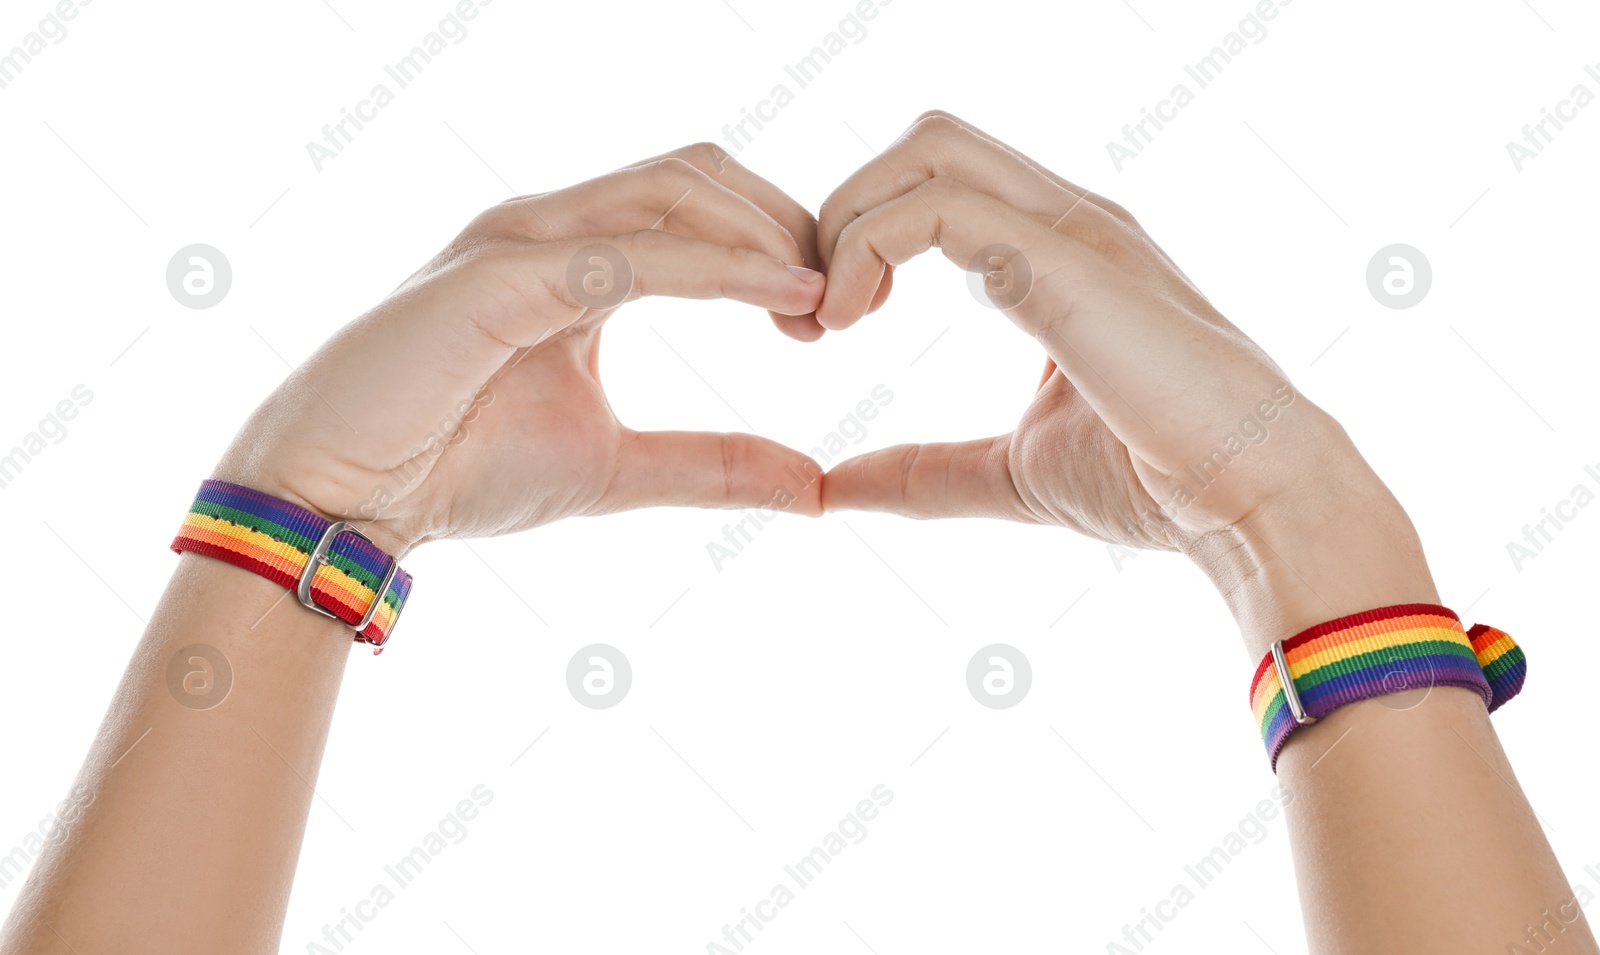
204,811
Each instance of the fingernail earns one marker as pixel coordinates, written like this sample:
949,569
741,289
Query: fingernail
804,274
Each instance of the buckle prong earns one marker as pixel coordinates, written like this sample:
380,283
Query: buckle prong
319,558
1291,695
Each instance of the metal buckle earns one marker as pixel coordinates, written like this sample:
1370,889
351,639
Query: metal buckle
319,558
1291,696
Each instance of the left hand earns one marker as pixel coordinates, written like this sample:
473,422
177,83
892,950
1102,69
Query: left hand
1151,426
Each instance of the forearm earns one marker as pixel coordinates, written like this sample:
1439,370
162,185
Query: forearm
467,405
195,815
1159,424
1411,834
1409,829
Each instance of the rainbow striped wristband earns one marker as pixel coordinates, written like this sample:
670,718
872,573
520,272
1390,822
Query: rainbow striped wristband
1375,653
332,567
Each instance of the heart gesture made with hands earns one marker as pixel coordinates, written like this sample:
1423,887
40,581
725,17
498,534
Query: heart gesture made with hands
470,404
1145,383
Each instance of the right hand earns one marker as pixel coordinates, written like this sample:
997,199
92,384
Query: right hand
1158,424
469,404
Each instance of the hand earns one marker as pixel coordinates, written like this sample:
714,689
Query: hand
469,403
1157,424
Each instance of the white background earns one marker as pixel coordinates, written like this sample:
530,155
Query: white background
771,696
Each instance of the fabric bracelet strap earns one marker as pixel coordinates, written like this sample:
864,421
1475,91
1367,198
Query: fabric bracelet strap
1378,652
275,539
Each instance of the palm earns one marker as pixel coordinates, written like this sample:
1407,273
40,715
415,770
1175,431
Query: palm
542,445
1069,469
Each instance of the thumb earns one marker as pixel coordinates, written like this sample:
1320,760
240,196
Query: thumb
963,479
711,469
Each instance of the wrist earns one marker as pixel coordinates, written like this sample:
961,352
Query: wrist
1295,562
391,539
328,565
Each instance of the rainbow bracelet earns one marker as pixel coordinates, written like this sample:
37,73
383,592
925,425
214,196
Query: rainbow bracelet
1375,653
332,567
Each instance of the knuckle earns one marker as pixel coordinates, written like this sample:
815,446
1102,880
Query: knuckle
673,169
935,128
516,217
908,470
703,155
494,220
829,211
488,253
640,240
729,450
1116,209
851,231
833,218
472,245
947,188
751,259
936,122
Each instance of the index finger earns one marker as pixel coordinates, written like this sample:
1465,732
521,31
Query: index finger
717,163
939,145
798,221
